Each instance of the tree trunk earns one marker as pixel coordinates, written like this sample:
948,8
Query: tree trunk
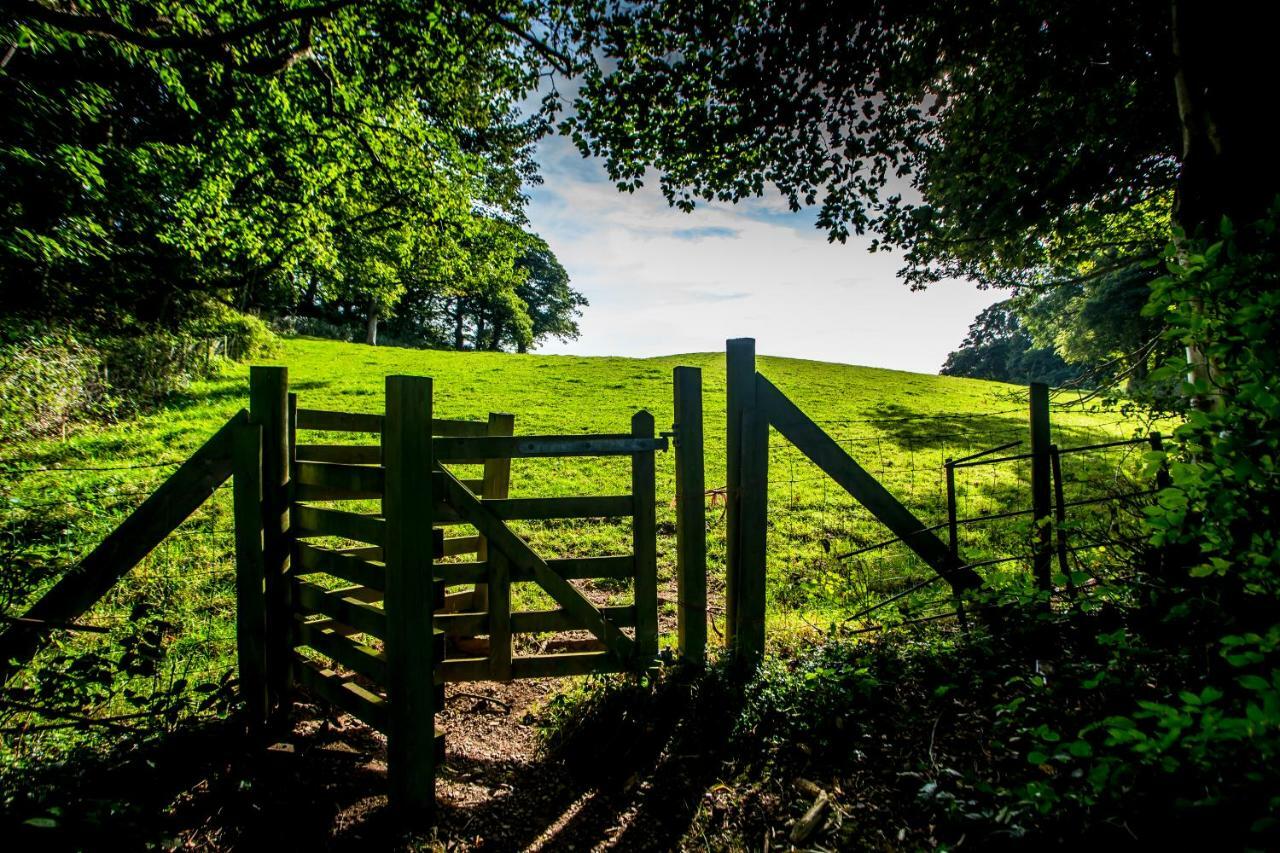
1226,169
495,340
480,327
371,330
458,338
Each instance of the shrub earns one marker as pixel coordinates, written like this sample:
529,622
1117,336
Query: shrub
46,381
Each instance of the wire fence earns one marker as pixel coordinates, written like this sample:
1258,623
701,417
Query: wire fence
167,636
830,555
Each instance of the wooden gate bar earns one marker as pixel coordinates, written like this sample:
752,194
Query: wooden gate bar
740,395
691,519
251,602
1041,486
269,409
526,446
496,483
412,593
644,542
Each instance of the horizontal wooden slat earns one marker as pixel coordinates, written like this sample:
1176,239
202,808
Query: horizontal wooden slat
536,621
474,485
366,706
351,454
329,421
341,604
603,506
457,545
308,559
317,521
319,419
576,568
454,427
566,663
523,446
456,573
358,481
465,669
356,656
462,624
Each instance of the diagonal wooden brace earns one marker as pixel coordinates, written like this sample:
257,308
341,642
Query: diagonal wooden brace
471,510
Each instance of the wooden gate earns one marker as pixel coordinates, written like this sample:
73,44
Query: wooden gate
343,563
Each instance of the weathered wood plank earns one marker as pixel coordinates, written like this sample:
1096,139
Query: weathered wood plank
318,521
644,539
564,664
496,483
824,452
602,506
616,566
500,627
523,446
463,624
749,638
357,481
455,546
453,427
366,706
349,454
550,621
691,518
311,559
342,605
519,553
356,656
459,573
413,647
740,395
325,421
270,409
251,602
465,669
179,496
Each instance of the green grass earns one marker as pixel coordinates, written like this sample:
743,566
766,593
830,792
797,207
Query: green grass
900,426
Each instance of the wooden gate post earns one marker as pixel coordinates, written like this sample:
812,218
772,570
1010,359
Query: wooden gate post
1041,486
691,517
644,532
496,484
251,603
412,596
269,410
746,508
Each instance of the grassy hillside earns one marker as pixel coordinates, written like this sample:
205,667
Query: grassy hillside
60,496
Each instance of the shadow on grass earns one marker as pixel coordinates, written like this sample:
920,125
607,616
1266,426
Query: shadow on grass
633,773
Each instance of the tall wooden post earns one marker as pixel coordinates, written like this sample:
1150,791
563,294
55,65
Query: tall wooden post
753,538
251,603
411,596
644,533
1041,485
691,518
496,484
740,396
269,410
1060,518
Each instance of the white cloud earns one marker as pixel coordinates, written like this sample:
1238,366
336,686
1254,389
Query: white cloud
661,281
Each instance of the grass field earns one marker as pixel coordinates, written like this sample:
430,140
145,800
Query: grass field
60,496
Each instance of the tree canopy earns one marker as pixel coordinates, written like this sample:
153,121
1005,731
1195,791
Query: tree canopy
1012,143
260,152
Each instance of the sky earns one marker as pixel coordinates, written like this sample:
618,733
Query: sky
662,282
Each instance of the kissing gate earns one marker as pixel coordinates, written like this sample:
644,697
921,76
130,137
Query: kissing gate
341,572
300,505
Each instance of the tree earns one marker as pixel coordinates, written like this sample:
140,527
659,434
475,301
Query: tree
157,154
999,348
1013,143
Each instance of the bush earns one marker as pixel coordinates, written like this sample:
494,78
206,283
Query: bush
49,379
